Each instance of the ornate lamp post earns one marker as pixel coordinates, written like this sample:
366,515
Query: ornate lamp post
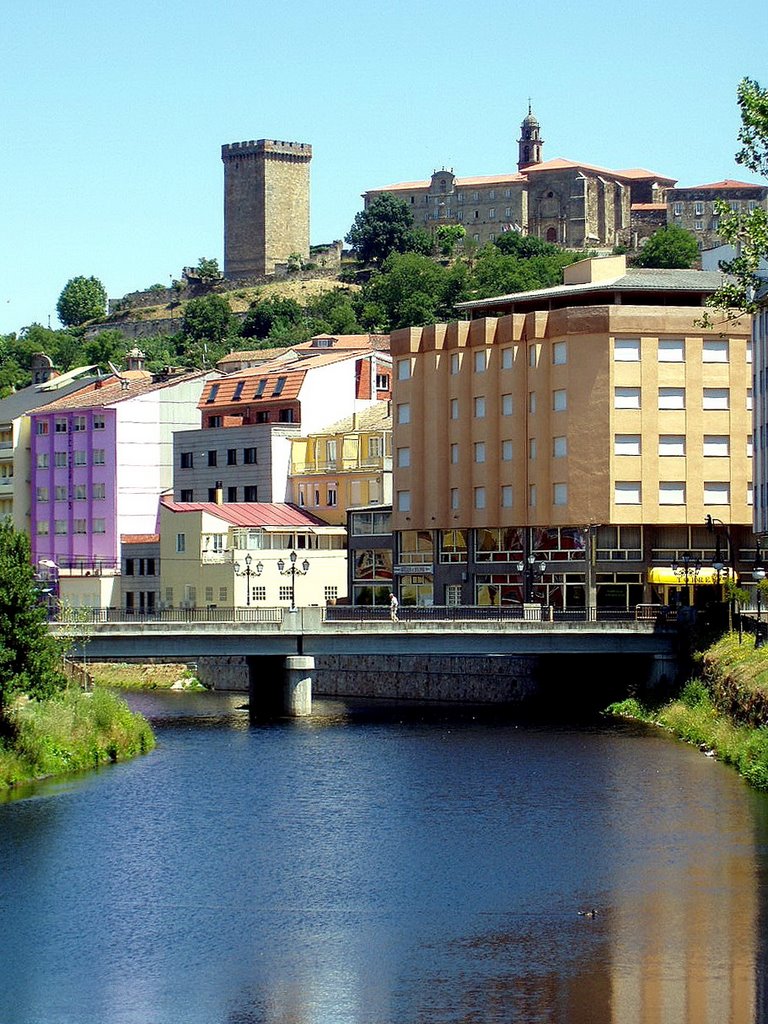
758,575
248,572
531,568
293,571
688,569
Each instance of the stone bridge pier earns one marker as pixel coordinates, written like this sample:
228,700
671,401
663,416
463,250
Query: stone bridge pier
279,686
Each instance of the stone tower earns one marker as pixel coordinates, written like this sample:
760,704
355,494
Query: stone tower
266,205
530,143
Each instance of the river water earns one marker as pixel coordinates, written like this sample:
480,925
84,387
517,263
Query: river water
380,865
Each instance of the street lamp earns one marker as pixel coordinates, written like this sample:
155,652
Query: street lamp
530,568
248,572
688,568
758,575
293,571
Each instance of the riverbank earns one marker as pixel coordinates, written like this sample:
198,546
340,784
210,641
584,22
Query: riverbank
72,731
127,676
724,712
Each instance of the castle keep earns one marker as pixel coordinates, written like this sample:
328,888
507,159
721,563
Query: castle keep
266,205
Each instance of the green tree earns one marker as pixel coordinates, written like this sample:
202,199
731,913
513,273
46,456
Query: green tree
207,319
274,317
208,271
670,248
499,273
747,232
412,290
385,227
106,347
512,243
30,658
333,312
447,237
81,299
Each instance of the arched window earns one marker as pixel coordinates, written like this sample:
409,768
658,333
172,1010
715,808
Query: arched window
551,234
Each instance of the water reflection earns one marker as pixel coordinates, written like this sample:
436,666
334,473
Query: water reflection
375,867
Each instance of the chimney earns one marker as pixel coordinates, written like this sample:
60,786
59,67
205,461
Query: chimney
219,495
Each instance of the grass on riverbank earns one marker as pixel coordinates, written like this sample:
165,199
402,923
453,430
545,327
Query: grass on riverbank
71,732
125,676
717,715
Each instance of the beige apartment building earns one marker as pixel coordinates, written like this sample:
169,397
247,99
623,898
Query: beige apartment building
567,445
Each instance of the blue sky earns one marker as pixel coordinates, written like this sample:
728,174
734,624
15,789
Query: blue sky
112,116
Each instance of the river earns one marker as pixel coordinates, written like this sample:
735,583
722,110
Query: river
385,865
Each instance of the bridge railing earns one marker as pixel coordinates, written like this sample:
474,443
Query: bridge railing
96,616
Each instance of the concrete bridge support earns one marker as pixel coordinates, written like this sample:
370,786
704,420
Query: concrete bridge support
280,686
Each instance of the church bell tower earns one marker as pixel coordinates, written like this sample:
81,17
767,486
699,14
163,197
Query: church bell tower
530,142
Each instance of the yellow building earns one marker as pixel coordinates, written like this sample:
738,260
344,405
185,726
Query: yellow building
568,444
237,555
347,465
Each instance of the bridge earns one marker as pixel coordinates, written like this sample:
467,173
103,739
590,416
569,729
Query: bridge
287,641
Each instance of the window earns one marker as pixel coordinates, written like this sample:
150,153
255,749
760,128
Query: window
374,447
506,496
404,413
60,527
250,456
284,593
749,399
750,447
533,355
480,451
671,398
677,209
626,398
60,425
715,398
99,526
129,567
403,501
251,493
78,423
749,351
698,225
212,393
61,492
98,421
671,350
559,353
671,492
481,361
238,392
717,493
403,458
626,444
187,495
42,460
506,451
80,492
454,455
187,460
532,402
506,358
698,209
98,456
532,495
455,363
80,458
559,494
42,528
332,496
403,369
42,493
672,444
212,458
279,385
212,494
231,456
559,400
479,497
531,447
506,405
717,445
42,428
627,492
750,493
232,495
181,543
715,350
626,350
559,447
454,498
79,526
60,459
330,593
479,407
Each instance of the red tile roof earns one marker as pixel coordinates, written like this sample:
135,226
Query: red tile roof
249,513
139,538
111,390
658,207
726,183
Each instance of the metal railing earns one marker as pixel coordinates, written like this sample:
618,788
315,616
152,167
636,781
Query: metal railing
95,616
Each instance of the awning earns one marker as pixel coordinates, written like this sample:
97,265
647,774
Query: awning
666,575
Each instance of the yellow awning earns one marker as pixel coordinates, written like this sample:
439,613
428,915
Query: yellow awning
665,574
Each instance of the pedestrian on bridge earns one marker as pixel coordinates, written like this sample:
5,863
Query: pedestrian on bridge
393,605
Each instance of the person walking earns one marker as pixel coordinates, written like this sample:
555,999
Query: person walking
393,605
